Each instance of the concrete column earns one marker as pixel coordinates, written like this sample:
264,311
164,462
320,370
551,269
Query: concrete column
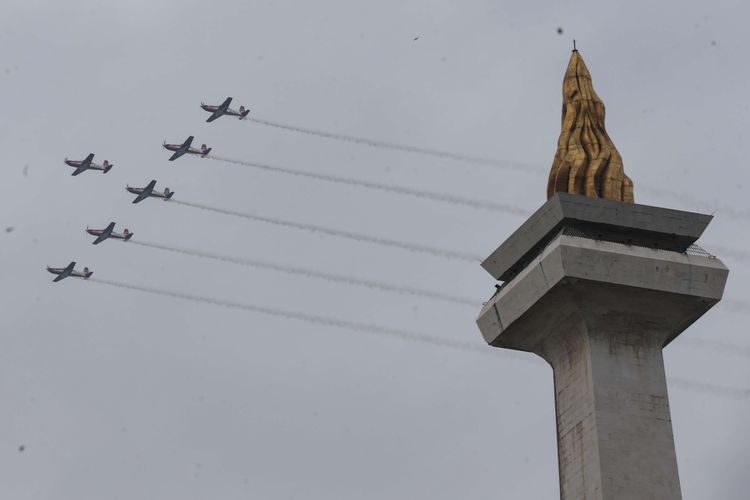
600,312
613,422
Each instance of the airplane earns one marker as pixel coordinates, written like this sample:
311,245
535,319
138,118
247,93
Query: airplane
147,191
181,149
87,164
103,234
224,109
64,272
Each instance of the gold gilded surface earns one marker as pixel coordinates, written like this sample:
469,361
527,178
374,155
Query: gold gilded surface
586,161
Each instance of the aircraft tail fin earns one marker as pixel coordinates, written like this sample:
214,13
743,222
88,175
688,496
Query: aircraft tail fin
205,152
129,235
171,193
244,114
108,167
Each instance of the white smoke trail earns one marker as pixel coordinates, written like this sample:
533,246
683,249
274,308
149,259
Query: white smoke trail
722,347
509,165
717,346
300,316
411,247
686,199
735,305
484,204
309,273
418,193
679,383
731,253
734,213
715,390
739,254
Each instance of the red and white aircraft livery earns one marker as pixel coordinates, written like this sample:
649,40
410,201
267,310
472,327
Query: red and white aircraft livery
64,272
147,191
108,232
181,149
87,164
224,109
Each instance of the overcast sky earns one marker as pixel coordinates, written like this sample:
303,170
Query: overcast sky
115,393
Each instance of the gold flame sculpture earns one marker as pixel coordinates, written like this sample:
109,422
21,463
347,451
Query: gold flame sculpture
586,161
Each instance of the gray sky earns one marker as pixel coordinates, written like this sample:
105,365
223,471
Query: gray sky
120,394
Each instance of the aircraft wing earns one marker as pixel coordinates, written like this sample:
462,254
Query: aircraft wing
175,155
183,149
66,272
221,110
146,192
87,162
216,114
106,234
141,197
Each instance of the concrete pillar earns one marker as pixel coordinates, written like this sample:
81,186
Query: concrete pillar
597,288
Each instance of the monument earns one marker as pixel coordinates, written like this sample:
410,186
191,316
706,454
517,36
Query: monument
597,286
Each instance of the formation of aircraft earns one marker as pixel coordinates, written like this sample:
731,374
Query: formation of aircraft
224,109
141,192
185,148
147,191
69,270
108,232
88,164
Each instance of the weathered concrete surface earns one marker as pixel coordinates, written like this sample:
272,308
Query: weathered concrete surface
610,220
600,313
650,280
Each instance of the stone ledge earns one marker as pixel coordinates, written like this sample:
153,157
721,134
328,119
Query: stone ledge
651,288
642,225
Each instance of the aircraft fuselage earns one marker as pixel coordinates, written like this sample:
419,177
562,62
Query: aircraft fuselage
156,194
227,112
118,236
74,274
91,166
176,147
